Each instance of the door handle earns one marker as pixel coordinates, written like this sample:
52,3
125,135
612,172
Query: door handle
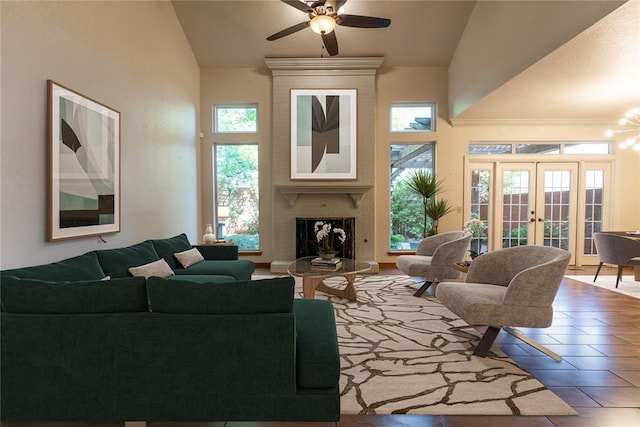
540,220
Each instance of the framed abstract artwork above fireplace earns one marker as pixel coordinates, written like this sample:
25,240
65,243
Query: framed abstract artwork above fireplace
323,134
84,165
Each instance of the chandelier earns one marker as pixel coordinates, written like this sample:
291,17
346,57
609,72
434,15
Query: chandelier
630,125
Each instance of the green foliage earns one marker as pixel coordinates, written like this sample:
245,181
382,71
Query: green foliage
515,237
245,241
396,240
236,119
404,211
237,186
435,210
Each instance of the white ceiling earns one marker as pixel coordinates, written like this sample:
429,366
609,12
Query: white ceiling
594,76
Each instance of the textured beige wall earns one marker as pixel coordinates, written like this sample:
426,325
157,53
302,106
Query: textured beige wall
391,85
324,205
132,56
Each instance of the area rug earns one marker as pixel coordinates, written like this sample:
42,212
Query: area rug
400,356
627,285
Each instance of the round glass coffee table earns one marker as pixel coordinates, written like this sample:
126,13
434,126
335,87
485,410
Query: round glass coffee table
313,276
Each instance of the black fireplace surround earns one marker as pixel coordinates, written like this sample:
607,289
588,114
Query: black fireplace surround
307,244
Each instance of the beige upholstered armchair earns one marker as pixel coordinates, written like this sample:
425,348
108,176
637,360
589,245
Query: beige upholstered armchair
507,288
616,249
435,257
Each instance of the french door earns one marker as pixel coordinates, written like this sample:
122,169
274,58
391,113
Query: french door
557,204
537,204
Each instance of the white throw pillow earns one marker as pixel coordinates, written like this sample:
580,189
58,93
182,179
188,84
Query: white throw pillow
158,268
189,257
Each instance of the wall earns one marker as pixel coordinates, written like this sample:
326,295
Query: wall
132,56
392,84
238,86
324,73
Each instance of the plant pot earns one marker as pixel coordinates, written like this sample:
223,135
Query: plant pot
328,257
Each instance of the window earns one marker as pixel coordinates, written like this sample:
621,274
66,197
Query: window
491,148
407,214
237,194
235,118
413,117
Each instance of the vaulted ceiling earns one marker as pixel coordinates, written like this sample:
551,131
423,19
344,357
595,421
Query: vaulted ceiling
558,60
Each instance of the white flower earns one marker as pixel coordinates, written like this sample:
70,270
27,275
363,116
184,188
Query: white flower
317,226
341,234
473,221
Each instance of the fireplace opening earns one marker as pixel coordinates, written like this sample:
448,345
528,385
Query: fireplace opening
307,245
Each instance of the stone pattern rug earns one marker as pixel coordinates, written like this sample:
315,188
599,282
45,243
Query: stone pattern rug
400,356
626,286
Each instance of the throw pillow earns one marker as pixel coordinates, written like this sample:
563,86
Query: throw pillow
158,268
190,257
167,247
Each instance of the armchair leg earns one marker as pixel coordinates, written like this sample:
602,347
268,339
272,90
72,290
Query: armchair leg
516,333
423,288
597,271
486,341
619,275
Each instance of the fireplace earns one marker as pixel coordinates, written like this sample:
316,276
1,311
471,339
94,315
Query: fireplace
307,245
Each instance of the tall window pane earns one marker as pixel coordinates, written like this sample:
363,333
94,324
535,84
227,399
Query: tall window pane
594,187
237,195
515,214
480,198
406,207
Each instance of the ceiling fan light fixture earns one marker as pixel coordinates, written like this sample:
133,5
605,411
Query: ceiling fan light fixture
322,24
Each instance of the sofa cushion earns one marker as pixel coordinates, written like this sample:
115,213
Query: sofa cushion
158,268
82,267
248,297
97,296
116,262
317,353
167,247
189,257
241,269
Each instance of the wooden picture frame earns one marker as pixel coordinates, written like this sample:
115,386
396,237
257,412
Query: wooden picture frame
323,134
83,165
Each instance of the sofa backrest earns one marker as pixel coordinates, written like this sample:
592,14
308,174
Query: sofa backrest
116,262
244,297
30,296
82,267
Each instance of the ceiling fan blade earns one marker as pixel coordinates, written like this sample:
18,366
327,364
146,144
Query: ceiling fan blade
288,31
298,5
330,43
362,21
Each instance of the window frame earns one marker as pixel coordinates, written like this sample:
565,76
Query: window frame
245,106
414,104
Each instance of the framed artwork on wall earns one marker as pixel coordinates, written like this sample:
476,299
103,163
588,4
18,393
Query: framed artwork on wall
84,165
323,134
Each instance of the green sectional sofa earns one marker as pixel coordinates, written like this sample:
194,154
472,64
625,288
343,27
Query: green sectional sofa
221,263
78,348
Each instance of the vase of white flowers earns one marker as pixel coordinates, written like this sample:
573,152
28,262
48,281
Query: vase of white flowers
325,235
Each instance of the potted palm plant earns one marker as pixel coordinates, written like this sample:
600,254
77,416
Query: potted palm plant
426,185
436,209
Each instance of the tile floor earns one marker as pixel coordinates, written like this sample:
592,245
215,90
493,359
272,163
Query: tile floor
596,331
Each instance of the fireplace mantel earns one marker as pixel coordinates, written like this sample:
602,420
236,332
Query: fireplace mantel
291,192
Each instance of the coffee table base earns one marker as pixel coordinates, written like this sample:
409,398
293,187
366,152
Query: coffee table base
311,284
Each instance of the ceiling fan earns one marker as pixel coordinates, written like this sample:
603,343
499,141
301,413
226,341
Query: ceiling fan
323,17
